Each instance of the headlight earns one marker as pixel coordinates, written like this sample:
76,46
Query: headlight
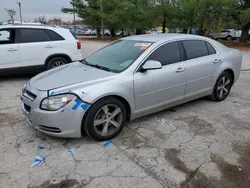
23,89
56,102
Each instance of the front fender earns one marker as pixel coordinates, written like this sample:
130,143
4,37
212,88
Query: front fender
118,87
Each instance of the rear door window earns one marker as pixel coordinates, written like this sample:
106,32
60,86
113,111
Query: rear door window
28,35
166,54
195,48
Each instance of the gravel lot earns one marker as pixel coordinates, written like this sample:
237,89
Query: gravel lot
201,144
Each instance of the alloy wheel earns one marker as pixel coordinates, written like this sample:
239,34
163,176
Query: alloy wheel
223,87
57,64
108,120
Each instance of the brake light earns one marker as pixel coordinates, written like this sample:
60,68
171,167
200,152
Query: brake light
78,45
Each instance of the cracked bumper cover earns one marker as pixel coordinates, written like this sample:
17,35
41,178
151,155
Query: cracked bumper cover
66,123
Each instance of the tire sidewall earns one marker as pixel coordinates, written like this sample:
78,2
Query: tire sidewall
51,61
217,83
229,38
88,123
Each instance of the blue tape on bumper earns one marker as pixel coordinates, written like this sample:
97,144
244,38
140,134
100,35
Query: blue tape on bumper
78,103
84,106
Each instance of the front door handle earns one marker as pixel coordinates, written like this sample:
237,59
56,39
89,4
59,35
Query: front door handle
49,46
12,50
180,69
216,61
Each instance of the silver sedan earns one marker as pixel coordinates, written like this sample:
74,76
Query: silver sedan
127,79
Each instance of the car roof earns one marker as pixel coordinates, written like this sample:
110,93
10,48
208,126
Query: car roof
163,37
29,26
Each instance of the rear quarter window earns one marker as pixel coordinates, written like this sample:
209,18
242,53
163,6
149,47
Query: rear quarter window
72,33
210,48
53,35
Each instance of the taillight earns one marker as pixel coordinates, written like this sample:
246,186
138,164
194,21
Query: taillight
78,45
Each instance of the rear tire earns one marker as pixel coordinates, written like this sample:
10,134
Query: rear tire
222,87
56,62
97,118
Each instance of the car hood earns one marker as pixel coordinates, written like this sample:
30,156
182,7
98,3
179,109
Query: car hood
67,75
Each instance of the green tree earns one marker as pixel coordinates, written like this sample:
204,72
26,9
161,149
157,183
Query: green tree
88,10
212,12
139,12
116,14
244,18
188,9
206,13
165,12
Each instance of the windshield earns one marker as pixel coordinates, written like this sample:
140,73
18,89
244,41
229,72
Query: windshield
117,56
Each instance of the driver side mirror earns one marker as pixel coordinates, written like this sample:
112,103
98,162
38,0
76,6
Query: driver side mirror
151,65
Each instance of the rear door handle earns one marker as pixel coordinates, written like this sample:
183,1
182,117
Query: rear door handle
180,69
49,46
12,50
216,61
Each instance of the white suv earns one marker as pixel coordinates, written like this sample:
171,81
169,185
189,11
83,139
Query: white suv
25,48
227,34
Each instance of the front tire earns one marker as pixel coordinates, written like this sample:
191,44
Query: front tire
222,87
229,38
105,119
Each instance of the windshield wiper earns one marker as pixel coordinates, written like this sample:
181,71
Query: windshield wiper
101,67
95,65
84,61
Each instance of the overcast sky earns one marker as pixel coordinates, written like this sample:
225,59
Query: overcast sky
33,8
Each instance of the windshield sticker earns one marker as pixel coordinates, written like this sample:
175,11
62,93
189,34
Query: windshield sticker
143,44
143,47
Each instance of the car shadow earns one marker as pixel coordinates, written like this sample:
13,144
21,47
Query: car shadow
14,77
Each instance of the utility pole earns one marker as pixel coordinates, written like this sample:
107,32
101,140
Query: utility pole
102,19
74,15
20,11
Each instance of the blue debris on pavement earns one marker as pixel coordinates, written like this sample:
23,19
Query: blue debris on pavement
72,150
107,143
41,147
37,160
